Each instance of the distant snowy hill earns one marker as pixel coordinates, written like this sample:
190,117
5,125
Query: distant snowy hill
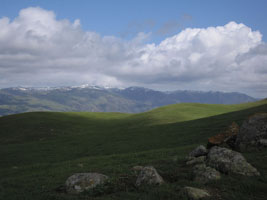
104,99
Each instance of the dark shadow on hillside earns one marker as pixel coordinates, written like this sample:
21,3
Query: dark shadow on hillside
199,130
27,139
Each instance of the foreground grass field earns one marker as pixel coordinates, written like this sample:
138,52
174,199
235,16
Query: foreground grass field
38,151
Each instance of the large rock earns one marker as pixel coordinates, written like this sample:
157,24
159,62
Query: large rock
149,176
204,174
195,193
228,161
199,151
225,138
253,132
80,182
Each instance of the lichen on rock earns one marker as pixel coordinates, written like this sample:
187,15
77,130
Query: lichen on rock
80,182
195,193
229,161
149,176
225,138
199,151
195,160
204,174
253,132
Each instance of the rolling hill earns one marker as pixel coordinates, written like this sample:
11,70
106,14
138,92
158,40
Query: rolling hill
99,99
40,150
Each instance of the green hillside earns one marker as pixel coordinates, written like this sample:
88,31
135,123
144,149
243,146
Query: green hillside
38,151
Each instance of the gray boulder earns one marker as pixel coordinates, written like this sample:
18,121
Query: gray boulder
228,161
196,160
80,182
149,176
252,132
195,193
204,174
199,151
262,142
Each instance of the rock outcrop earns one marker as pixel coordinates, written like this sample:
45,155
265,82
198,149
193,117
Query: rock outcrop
80,182
149,176
226,138
201,172
195,193
253,132
196,160
199,151
229,161
262,142
220,156
204,174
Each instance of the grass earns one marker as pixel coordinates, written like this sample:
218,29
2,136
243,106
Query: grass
40,150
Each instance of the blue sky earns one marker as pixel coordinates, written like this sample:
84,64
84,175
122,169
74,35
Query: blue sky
207,45
124,18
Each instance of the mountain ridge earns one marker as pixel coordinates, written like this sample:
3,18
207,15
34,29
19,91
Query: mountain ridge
94,98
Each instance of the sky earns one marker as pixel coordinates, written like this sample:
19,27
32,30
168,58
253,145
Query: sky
164,45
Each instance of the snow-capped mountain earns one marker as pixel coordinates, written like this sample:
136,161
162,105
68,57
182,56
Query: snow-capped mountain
104,99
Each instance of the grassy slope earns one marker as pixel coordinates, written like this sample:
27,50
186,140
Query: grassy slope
39,151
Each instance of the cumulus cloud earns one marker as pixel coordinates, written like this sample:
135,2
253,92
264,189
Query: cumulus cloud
37,49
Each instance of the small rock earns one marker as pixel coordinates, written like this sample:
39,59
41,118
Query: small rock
137,168
229,161
149,175
252,131
195,193
199,151
196,160
204,174
80,182
175,158
262,142
80,165
188,158
226,138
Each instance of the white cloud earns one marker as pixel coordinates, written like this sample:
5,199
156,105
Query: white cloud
38,49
